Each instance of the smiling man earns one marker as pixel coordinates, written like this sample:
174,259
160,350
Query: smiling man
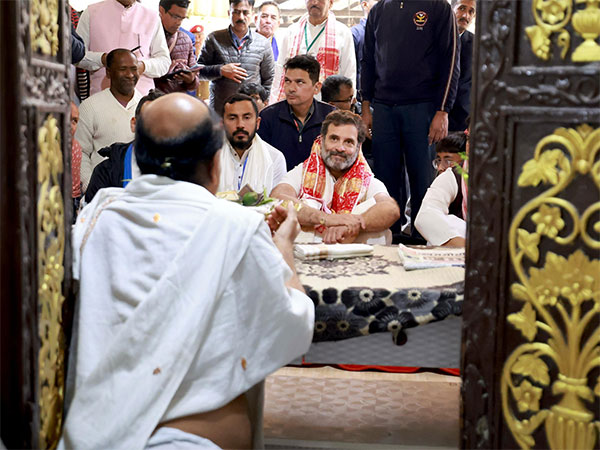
464,10
317,34
111,24
245,158
293,124
235,55
104,117
341,199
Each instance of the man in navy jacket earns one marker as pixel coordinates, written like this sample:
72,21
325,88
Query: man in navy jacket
409,75
464,10
292,125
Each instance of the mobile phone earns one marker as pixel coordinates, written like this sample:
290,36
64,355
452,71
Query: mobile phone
186,70
176,72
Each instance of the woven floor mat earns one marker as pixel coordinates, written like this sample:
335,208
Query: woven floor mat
326,404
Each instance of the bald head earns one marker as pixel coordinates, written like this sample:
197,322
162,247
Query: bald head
174,115
177,136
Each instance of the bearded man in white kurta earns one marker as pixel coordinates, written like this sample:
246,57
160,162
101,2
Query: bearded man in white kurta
245,158
185,303
341,201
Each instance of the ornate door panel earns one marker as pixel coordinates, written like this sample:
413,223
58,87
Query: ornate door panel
36,210
531,338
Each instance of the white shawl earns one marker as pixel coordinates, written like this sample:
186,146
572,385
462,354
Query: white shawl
258,170
177,349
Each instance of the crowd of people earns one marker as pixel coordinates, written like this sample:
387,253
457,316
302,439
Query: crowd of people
190,298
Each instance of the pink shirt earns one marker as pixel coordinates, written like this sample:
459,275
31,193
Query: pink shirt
114,26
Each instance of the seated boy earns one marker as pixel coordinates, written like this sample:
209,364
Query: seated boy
441,219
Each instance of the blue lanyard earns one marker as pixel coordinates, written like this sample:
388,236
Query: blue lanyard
127,168
242,177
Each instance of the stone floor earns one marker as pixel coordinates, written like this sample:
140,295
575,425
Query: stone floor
327,408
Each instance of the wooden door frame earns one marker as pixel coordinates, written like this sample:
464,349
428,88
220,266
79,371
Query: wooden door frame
34,87
518,84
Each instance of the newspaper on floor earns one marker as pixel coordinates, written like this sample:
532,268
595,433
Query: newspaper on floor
331,251
415,258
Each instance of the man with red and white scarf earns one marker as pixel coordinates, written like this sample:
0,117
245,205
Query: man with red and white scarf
317,34
341,199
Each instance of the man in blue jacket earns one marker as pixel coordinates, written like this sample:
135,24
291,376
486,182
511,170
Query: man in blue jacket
292,125
409,75
464,10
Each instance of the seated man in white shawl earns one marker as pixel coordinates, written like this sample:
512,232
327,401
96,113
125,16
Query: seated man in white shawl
341,200
186,301
442,217
245,158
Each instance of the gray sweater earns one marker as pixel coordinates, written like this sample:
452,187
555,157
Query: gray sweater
255,56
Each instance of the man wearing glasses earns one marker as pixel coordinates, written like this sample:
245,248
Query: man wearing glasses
338,91
441,220
449,151
235,55
181,76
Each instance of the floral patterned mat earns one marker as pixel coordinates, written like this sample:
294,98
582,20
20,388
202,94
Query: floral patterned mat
361,296
359,311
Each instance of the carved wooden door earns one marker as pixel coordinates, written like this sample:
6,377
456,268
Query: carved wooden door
531,337
35,214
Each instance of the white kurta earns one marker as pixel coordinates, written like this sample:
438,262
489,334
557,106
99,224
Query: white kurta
344,43
294,179
365,201
262,166
182,308
433,221
102,122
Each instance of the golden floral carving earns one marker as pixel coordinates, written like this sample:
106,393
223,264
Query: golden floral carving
575,279
587,23
548,221
43,26
527,397
561,295
534,367
528,242
552,16
553,11
51,246
524,321
543,169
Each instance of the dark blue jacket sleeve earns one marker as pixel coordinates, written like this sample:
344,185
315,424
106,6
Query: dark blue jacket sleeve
264,130
77,47
457,119
368,74
448,60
